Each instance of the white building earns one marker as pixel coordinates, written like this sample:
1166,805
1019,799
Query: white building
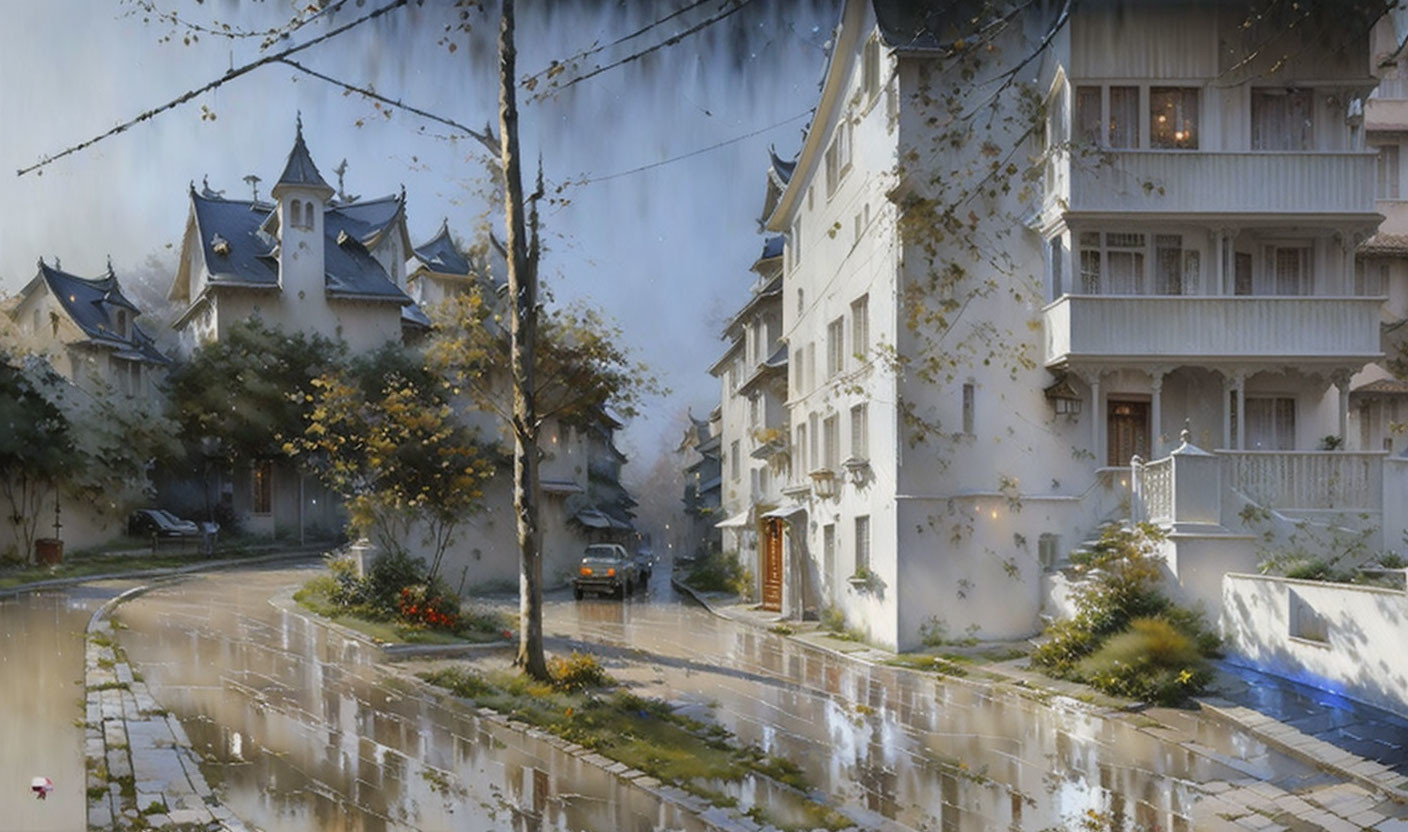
87,328
988,316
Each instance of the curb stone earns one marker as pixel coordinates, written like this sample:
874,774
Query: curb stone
135,741
164,571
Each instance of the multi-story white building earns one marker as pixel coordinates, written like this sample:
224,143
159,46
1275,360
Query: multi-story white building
753,381
1020,257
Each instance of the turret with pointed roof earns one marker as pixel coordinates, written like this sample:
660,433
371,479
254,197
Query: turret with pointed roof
300,172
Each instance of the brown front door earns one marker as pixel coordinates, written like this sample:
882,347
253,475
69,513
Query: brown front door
772,565
1128,431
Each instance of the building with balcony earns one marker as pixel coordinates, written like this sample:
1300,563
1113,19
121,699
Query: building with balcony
699,449
753,391
1019,257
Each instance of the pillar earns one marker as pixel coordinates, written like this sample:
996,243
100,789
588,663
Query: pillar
1241,381
1156,410
1097,420
1341,379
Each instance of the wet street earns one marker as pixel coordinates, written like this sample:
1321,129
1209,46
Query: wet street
301,728
41,695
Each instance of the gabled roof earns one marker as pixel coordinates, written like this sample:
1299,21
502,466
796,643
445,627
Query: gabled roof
238,253
441,254
781,168
299,170
91,304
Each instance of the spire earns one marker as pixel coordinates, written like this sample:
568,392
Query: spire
299,171
110,271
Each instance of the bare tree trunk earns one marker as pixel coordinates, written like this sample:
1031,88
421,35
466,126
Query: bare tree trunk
523,291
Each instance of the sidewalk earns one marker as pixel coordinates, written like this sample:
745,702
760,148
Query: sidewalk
1358,744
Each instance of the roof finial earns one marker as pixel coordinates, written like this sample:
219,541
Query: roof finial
340,170
57,264
41,261
253,182
298,120
110,271
205,182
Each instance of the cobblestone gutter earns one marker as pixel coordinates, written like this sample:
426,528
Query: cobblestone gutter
142,771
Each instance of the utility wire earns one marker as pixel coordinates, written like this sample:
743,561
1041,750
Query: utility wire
222,80
736,139
587,53
635,56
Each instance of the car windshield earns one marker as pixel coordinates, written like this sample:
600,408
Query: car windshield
170,518
601,553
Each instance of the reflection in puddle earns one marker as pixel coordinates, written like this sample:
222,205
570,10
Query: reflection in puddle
302,732
41,695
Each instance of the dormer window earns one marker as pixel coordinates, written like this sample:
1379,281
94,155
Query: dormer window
296,220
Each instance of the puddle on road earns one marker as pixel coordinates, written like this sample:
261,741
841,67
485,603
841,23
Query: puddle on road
41,696
927,752
302,732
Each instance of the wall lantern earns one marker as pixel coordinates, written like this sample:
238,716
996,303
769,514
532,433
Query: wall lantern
824,483
1065,398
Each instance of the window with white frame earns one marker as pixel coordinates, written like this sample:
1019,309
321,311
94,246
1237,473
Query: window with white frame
1387,187
1287,269
831,433
1135,263
862,543
1271,423
1173,118
835,346
799,452
860,432
870,68
1282,119
1370,278
795,248
735,466
814,430
838,156
860,328
1108,116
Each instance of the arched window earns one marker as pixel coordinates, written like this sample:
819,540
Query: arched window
309,216
296,220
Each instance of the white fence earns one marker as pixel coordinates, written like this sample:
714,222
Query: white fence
1307,479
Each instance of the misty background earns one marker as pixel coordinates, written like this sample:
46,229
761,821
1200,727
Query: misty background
665,250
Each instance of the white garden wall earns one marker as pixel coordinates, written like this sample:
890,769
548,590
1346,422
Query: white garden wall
1341,637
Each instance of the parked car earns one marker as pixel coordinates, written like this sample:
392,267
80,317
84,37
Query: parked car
645,563
145,522
606,567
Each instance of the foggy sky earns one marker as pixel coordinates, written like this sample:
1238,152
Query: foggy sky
665,252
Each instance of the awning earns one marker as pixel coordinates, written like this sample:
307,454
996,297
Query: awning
592,519
735,522
786,511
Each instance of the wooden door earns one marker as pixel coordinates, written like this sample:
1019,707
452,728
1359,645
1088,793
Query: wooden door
772,565
1128,428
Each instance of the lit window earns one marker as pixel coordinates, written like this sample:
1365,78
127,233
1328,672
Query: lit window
1173,118
263,487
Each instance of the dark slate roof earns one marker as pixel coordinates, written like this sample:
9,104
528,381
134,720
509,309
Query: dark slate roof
784,169
441,254
778,358
366,219
250,258
772,247
905,24
92,303
299,170
413,315
349,269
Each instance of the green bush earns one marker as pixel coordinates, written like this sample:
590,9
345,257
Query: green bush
1121,608
390,573
720,572
1392,560
1152,661
578,671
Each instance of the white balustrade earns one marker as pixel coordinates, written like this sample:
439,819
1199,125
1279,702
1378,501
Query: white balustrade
1307,479
1218,182
1207,327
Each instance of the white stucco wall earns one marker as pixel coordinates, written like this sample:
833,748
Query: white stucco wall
1357,651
